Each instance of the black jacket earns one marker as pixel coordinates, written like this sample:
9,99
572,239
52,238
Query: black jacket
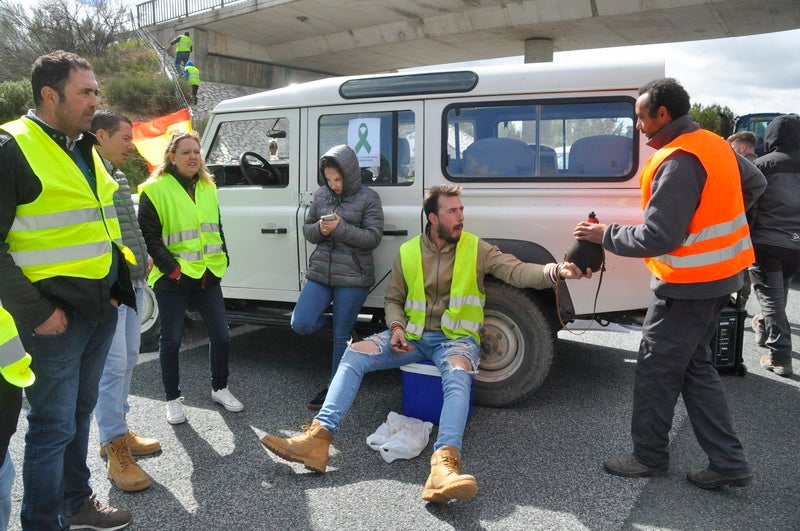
32,303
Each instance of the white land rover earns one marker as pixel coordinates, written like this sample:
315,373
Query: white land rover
536,147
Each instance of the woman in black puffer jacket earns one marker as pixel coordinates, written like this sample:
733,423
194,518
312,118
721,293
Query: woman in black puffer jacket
340,270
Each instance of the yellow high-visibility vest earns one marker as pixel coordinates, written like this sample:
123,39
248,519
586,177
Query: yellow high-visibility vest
14,361
67,230
464,315
184,44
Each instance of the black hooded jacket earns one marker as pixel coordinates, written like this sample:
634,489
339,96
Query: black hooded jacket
776,215
344,257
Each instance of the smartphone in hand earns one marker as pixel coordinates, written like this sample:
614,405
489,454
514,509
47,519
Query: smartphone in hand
328,217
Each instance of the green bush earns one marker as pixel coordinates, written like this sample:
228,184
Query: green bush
152,95
16,97
135,169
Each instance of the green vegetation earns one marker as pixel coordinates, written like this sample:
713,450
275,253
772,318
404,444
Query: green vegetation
714,118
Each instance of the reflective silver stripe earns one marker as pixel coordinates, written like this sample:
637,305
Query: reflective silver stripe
466,300
460,324
213,249
209,227
715,231
56,220
703,259
110,211
193,256
11,351
178,237
71,253
415,305
417,330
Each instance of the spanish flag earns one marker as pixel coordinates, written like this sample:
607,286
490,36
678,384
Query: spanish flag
151,138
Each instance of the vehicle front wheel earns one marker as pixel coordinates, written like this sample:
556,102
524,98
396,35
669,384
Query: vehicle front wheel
151,323
517,347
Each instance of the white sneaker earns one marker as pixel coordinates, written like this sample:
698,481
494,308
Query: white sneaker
228,401
175,414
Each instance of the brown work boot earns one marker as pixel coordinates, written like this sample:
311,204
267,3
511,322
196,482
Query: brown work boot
310,448
138,445
122,469
445,483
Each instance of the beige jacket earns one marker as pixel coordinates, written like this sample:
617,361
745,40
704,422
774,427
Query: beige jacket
437,267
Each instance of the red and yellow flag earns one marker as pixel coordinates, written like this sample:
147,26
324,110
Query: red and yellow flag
151,138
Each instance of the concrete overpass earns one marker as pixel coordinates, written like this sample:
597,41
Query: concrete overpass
271,43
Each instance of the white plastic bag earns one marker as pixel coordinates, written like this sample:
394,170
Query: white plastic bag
400,437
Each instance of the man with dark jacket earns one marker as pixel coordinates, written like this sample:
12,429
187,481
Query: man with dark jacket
695,241
62,272
775,231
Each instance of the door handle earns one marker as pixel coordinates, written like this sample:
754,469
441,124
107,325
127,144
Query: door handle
274,231
401,232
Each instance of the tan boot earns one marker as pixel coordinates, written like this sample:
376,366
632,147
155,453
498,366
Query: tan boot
138,445
445,483
122,469
310,448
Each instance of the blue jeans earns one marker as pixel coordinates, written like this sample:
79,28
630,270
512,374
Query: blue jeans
115,383
180,61
308,316
68,368
172,307
434,346
6,482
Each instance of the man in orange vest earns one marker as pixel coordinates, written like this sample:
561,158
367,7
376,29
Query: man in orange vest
696,242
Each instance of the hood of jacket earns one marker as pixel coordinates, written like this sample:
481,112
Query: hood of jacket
347,162
783,134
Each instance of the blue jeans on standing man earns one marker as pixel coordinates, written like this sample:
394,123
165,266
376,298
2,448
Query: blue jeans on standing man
115,383
68,368
172,307
309,317
434,346
6,482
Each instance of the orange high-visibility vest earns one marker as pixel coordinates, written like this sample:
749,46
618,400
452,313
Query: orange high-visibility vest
717,244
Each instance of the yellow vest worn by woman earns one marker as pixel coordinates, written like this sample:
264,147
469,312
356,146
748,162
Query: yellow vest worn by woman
14,361
189,229
66,231
464,315
718,243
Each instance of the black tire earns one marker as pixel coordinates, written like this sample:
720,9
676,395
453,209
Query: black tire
151,323
517,347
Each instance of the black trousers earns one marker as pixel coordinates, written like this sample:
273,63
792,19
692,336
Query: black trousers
675,359
10,406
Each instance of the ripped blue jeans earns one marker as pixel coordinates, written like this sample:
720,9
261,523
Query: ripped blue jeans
434,346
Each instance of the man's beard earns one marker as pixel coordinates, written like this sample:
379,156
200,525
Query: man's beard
448,236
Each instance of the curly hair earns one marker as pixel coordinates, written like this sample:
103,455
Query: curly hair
666,92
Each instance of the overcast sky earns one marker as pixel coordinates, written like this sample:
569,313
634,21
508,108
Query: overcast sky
758,73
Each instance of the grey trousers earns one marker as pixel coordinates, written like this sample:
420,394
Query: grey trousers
675,359
771,276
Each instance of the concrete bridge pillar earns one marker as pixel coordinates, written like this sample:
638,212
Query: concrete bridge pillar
539,51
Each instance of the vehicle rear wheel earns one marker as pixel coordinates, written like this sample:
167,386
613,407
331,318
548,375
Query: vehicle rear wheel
517,347
151,323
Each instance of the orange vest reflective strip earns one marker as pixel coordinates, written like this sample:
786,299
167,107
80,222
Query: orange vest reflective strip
718,242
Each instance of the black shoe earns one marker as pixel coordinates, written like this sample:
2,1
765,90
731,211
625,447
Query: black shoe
628,467
94,515
317,401
705,478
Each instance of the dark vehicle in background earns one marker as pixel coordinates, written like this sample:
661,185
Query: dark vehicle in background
757,124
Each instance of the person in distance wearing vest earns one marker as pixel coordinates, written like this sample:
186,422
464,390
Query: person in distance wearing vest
695,240
15,373
62,273
183,47
434,307
179,217
192,75
119,443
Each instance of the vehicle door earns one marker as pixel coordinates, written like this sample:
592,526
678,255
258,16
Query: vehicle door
255,158
388,140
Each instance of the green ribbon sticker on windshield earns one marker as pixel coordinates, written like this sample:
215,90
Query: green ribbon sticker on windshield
363,133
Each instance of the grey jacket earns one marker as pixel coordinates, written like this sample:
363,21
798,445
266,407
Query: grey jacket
131,233
776,215
344,257
676,190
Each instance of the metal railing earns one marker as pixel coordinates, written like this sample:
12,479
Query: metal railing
166,64
155,12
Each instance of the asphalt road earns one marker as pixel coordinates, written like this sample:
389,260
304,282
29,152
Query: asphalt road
538,465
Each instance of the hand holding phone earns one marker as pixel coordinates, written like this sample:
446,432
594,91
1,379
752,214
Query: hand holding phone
328,217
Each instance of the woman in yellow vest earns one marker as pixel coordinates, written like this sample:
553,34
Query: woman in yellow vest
179,218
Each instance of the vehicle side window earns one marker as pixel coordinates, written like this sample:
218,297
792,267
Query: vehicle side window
266,139
383,142
591,140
